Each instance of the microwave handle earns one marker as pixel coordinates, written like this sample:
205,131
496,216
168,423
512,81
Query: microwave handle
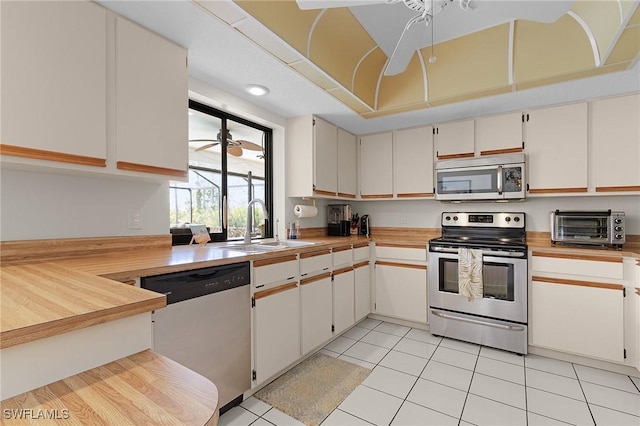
500,180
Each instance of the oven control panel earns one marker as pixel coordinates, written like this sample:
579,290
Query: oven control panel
484,220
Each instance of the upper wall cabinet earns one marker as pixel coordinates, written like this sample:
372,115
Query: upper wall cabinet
54,84
455,140
616,144
499,134
413,162
321,159
151,102
376,166
556,140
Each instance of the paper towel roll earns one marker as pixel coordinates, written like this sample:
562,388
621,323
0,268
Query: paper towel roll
305,211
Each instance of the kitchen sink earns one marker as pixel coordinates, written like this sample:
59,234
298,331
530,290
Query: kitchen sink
265,245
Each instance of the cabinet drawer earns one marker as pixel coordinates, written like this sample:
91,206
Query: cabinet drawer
342,256
274,270
587,266
361,253
315,261
417,252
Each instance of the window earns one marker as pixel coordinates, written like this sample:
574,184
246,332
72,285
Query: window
224,175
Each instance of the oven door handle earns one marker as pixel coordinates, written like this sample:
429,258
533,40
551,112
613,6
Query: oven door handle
484,253
474,321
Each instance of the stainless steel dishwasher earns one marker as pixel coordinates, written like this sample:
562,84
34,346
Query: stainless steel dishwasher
206,325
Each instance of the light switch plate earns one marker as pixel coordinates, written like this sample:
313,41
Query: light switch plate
135,218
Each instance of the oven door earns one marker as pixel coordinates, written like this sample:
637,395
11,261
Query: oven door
504,287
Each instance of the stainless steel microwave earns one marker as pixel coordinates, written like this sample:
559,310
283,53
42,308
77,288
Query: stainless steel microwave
601,228
491,177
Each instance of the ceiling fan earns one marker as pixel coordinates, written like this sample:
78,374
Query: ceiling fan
234,147
410,40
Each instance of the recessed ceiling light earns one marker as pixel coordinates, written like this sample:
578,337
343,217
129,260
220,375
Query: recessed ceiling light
257,90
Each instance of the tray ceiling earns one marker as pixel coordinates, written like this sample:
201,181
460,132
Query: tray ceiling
342,50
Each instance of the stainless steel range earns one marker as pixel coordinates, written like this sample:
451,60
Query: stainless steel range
491,250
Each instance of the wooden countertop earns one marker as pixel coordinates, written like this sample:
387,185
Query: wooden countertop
144,388
47,299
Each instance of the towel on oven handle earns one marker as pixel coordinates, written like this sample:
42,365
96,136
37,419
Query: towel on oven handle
470,273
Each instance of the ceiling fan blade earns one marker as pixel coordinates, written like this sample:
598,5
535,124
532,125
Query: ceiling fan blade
207,146
545,11
412,38
248,145
328,4
236,151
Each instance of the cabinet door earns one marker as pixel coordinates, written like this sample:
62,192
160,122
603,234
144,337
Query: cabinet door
325,139
343,299
151,102
376,166
54,81
556,140
616,144
347,160
362,281
455,140
316,300
413,162
499,134
276,325
401,291
581,319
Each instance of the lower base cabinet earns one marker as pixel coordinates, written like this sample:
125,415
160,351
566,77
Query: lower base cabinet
401,291
579,319
276,330
343,299
316,303
362,284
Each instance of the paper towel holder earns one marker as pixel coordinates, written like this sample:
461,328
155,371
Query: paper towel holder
313,200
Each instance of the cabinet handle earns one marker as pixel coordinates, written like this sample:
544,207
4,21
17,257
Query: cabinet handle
473,321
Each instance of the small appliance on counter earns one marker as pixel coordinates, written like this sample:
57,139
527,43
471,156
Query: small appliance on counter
339,220
602,228
364,225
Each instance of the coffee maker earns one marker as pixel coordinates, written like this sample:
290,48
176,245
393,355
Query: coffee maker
339,220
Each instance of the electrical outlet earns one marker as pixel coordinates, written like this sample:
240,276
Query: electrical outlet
135,218
403,218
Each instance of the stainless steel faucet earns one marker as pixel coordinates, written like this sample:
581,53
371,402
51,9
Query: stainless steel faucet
247,235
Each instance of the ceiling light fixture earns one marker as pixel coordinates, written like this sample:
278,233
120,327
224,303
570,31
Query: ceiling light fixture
257,90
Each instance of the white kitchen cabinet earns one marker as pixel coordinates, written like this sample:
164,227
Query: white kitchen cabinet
361,252
314,262
577,304
376,166
325,142
347,160
316,308
616,144
151,102
362,289
413,162
54,81
343,299
455,140
499,134
556,145
276,330
272,271
401,291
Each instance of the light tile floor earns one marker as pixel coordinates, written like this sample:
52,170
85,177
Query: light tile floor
420,379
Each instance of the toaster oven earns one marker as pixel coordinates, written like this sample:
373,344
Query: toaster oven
598,228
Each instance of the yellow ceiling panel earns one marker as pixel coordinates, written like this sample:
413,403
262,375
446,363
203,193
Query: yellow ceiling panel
367,74
603,20
313,74
284,18
575,76
470,96
269,42
469,64
627,47
628,5
544,51
350,100
397,110
404,88
337,43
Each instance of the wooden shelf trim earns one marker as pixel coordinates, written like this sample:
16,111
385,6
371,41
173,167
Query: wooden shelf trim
274,261
315,253
403,245
323,192
362,244
343,270
346,195
275,290
60,157
361,264
144,168
315,278
501,151
461,155
574,256
401,265
339,249
373,196
416,195
555,190
564,281
617,188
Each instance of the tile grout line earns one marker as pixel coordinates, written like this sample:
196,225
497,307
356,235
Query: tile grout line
584,394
